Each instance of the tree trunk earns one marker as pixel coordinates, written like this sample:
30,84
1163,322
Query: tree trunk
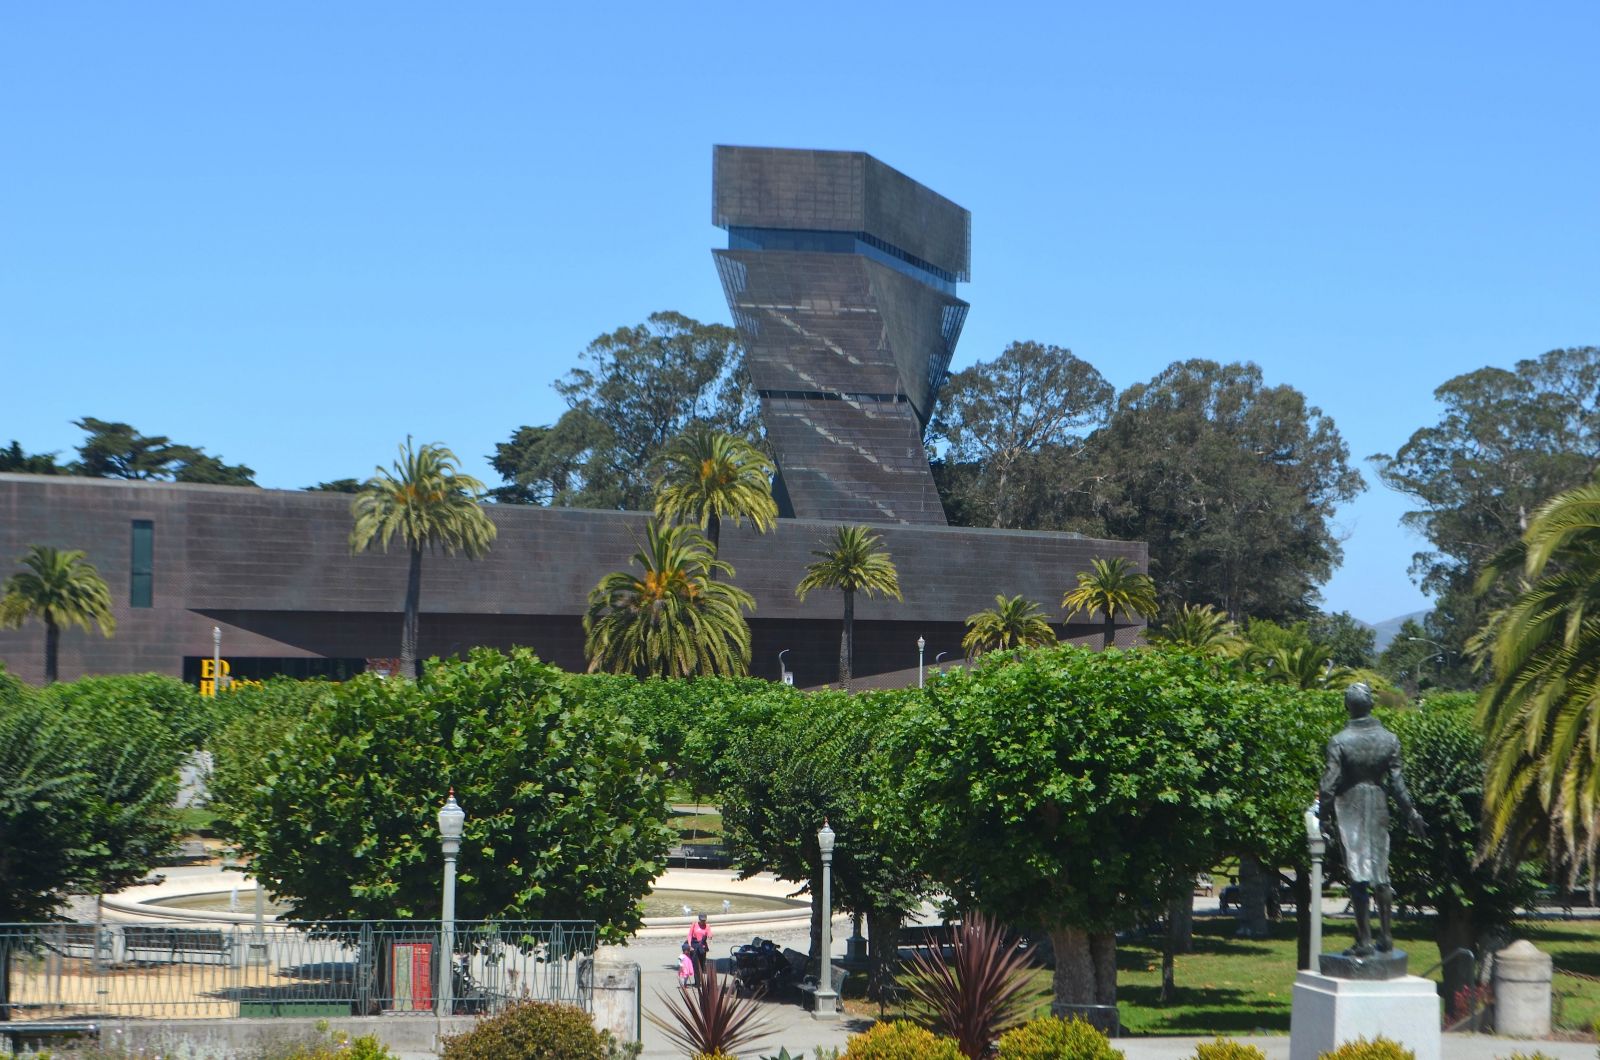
408,629
883,947
1178,938
1307,905
52,650
1110,630
847,639
1252,898
1453,929
714,533
1086,970
5,979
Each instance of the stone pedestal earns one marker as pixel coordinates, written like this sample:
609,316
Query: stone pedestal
1329,1012
1522,991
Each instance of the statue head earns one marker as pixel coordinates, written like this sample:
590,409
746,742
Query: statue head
1358,700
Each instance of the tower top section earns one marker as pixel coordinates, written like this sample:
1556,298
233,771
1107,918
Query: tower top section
783,189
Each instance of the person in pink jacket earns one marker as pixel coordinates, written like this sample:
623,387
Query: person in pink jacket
685,967
699,943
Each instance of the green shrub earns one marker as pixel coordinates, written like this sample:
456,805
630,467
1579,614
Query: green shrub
1530,1056
534,1031
1379,1048
1050,1038
1227,1049
900,1040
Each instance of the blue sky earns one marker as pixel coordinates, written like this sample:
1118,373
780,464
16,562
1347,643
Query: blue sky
293,233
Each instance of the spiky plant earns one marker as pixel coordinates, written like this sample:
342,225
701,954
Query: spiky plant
674,619
60,588
1013,622
710,1017
853,561
709,475
982,992
1198,629
425,500
1111,587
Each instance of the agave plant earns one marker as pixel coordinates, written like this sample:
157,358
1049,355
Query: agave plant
710,1018
982,992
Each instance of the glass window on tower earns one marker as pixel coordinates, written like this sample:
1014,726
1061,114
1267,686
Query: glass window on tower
141,588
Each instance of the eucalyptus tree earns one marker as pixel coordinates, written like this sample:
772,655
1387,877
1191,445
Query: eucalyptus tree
709,475
673,618
1111,587
1013,622
853,561
426,501
62,589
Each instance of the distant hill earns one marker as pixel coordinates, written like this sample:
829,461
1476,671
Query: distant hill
1385,631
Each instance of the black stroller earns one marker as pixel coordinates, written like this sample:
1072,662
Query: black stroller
760,969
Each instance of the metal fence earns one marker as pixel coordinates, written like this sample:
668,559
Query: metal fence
200,970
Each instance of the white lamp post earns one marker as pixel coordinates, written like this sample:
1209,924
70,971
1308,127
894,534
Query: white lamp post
451,820
921,644
827,1002
1318,846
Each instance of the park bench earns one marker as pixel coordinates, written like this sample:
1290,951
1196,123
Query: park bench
84,941
162,945
808,987
29,1034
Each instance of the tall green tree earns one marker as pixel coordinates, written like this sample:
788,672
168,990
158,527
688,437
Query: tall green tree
1506,441
427,502
674,618
116,450
853,561
1349,641
1232,482
1109,588
62,589
1006,422
565,808
1013,622
1074,790
635,389
1541,707
86,791
709,475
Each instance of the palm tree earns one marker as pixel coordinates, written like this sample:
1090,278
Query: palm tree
1307,666
853,562
1541,709
673,620
60,588
1198,629
1110,586
708,476
431,505
1013,622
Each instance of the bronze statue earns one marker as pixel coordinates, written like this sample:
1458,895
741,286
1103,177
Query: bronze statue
1363,772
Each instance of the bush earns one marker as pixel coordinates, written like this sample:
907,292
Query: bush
1050,1038
900,1041
1227,1049
533,1031
341,1046
1379,1048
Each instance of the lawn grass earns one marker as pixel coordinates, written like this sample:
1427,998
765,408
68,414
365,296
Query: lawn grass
697,829
1244,986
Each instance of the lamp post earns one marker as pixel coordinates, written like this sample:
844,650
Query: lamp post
1318,847
451,820
1438,660
216,659
827,1002
921,644
783,671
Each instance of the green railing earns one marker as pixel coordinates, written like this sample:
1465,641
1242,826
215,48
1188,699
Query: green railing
59,971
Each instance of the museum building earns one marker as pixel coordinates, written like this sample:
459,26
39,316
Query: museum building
840,273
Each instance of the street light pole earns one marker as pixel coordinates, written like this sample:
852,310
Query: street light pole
1318,847
921,644
216,659
451,820
827,1002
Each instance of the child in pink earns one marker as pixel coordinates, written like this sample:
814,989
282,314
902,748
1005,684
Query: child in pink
685,966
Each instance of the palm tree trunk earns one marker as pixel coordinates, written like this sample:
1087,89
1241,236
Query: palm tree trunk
1110,630
714,532
408,630
847,638
52,651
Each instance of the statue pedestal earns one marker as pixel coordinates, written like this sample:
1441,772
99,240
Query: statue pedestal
1329,1012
